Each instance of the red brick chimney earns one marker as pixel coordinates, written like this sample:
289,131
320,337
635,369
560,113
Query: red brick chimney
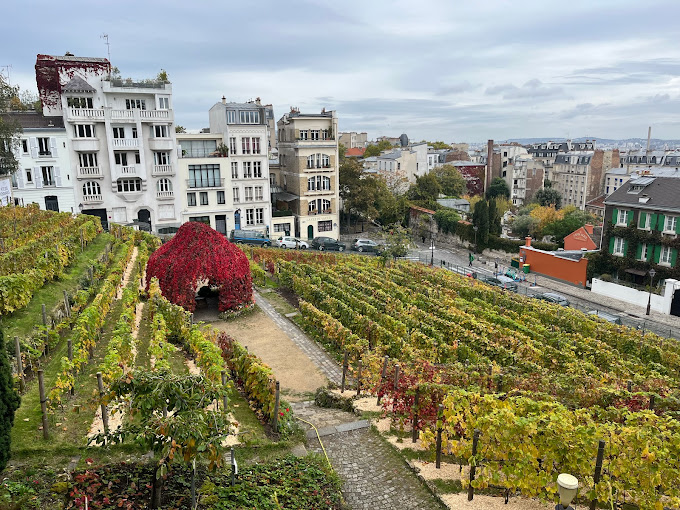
528,241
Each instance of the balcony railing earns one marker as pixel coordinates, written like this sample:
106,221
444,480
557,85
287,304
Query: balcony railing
211,183
163,170
86,113
45,154
92,199
154,114
125,142
89,172
165,195
128,170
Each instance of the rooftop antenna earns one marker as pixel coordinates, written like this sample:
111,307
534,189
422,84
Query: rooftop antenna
108,50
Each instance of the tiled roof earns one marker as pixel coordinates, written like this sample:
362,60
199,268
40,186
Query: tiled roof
661,193
34,120
355,152
77,84
597,201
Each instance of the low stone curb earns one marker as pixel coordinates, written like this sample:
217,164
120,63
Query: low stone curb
345,427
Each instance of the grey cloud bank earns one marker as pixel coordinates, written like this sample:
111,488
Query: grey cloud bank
435,69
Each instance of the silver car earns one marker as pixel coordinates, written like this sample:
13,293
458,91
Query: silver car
291,242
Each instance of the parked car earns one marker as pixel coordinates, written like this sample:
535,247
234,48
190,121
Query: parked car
609,317
322,243
490,280
291,242
507,283
362,245
249,237
552,297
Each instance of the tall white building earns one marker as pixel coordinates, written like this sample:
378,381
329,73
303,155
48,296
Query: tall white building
120,140
244,129
44,174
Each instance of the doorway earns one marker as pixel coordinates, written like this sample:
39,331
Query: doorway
675,304
310,232
221,223
144,216
51,203
237,220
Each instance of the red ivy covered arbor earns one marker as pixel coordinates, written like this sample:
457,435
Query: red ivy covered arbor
198,253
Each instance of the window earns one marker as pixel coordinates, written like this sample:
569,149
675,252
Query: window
670,224
256,146
645,221
163,103
311,208
310,161
325,226
220,197
326,161
257,169
326,134
619,246
282,227
29,175
120,158
91,188
160,131
83,131
24,146
319,183
258,193
129,185
231,117
197,148
44,147
245,145
259,216
272,179
247,170
118,132
236,195
135,104
666,254
644,252
325,205
138,159
200,219
203,195
314,134
13,178
304,134
622,217
47,175
161,158
79,102
232,145
88,159
234,170
204,176
250,217
249,193
191,199
134,132
249,117
164,185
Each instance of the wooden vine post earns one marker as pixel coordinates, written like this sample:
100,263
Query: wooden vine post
47,333
70,358
382,377
224,386
598,470
359,378
275,420
414,425
43,404
440,424
105,414
473,465
20,366
67,304
344,371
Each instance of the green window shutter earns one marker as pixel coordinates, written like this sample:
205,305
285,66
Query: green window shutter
641,220
638,251
660,222
650,252
652,224
631,218
674,257
657,254
615,215
611,244
677,226
625,247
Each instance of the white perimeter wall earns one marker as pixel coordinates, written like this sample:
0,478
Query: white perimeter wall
660,304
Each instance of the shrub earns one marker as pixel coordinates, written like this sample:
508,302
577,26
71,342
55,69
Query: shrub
9,403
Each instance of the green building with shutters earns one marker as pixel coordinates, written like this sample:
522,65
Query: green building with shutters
642,227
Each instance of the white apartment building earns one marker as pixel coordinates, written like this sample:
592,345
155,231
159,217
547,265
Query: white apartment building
44,175
245,135
308,173
120,140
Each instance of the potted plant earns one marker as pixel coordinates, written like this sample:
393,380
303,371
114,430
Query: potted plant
222,150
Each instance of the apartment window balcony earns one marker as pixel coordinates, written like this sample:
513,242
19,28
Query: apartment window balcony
162,170
165,195
89,172
45,154
93,199
161,144
127,170
125,142
325,211
210,183
154,114
85,114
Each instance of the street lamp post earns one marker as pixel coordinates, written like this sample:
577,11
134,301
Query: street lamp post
432,251
475,228
651,279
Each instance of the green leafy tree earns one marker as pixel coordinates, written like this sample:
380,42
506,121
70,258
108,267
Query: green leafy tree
525,225
447,220
572,220
450,180
426,190
438,145
498,188
548,196
494,218
341,152
480,219
9,129
397,240
180,129
9,403
376,149
186,430
392,208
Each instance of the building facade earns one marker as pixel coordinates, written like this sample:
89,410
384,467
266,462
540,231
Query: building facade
44,175
579,175
245,135
354,140
308,172
120,140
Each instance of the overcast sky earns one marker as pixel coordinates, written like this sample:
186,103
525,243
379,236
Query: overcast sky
434,69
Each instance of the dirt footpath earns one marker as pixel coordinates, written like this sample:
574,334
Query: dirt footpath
299,377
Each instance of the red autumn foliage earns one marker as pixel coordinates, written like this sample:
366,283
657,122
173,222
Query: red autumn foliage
197,252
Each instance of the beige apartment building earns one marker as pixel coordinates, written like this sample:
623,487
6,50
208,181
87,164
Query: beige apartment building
306,182
352,140
579,175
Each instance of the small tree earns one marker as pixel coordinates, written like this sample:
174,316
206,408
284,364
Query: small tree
188,429
452,183
498,188
494,218
180,129
547,197
9,403
480,219
397,241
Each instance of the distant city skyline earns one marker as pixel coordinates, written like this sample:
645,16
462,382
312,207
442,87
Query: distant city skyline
435,70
